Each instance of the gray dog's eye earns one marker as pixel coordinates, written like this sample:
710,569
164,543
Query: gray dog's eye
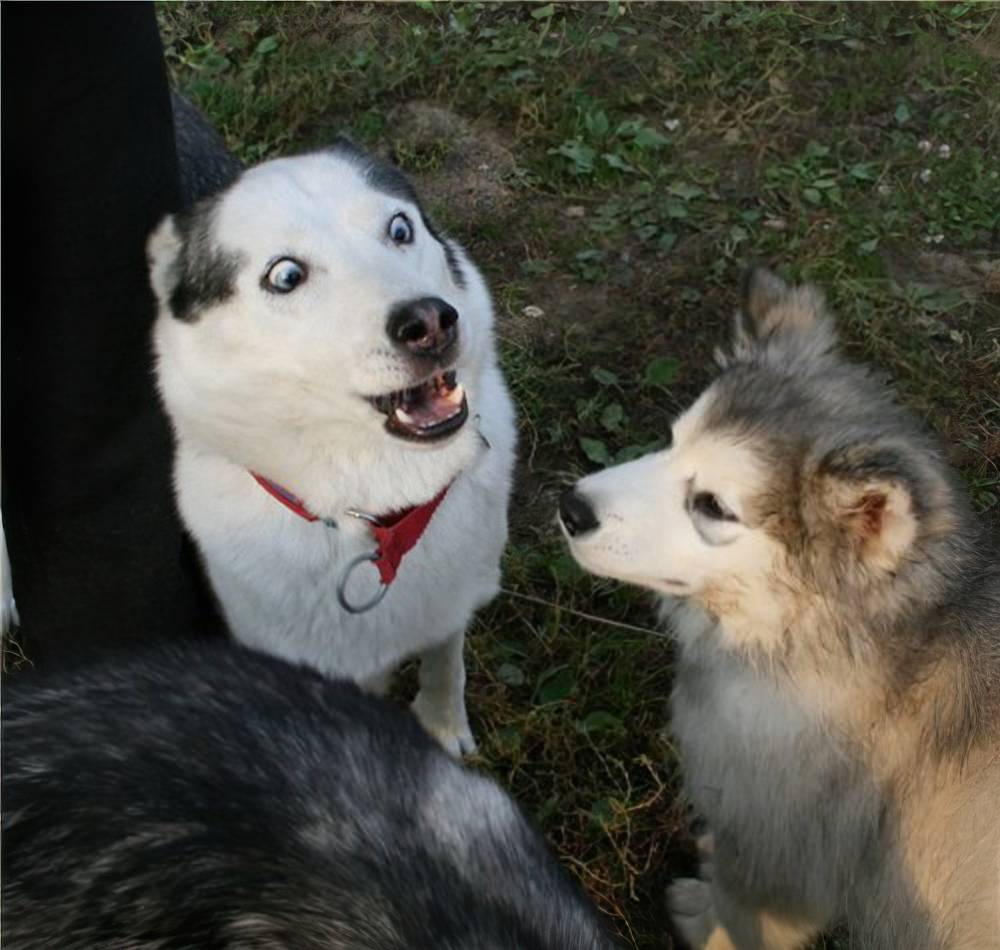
707,504
284,276
401,229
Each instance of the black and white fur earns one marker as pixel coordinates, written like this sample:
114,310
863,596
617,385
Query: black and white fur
215,797
286,383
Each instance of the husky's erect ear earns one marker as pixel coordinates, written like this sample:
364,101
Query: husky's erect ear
163,251
879,519
863,508
774,314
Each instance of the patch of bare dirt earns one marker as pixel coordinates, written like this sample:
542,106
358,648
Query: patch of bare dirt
467,163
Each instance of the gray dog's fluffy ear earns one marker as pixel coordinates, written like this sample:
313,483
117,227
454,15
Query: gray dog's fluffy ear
773,315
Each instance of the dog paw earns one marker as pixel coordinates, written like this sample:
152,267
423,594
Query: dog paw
690,904
457,745
456,739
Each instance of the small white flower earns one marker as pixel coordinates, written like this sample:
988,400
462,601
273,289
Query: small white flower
965,115
671,125
944,151
533,312
925,175
884,189
924,146
934,239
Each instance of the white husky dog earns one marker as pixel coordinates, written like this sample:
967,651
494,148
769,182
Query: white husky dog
345,439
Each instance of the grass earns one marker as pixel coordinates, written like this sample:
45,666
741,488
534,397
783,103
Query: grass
612,168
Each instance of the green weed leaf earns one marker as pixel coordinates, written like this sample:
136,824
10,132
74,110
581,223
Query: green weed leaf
602,815
582,156
556,684
600,721
616,161
612,417
267,45
666,240
511,648
597,124
510,675
542,12
604,376
650,138
662,371
564,568
632,452
595,450
685,191
815,149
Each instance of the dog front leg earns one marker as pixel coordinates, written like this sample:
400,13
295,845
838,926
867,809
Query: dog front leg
440,702
708,917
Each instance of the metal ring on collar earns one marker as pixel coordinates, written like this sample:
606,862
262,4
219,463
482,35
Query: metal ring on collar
345,575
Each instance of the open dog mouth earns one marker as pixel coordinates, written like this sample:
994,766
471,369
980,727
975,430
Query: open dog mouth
432,410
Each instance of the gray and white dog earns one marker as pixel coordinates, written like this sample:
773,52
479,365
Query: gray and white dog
212,797
837,614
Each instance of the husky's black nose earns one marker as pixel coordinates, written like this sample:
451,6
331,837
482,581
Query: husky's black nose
576,513
426,327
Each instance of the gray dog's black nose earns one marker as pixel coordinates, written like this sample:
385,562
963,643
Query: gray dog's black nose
576,513
426,327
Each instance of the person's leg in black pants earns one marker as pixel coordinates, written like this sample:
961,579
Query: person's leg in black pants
89,167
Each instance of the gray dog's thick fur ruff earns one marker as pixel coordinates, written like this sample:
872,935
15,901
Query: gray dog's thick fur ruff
854,801
211,797
836,703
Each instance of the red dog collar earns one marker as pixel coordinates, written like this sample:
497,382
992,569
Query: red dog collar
396,533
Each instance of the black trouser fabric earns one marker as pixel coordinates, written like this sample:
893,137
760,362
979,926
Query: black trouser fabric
89,167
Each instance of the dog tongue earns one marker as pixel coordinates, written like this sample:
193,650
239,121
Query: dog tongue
436,403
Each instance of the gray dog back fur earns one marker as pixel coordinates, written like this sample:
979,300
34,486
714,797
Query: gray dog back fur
208,796
206,165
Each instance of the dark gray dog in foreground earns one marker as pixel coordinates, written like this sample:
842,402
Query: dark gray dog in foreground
210,797
837,695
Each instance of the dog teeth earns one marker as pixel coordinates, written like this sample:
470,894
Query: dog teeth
411,407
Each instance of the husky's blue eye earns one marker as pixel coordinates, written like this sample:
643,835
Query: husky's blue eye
401,229
284,276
